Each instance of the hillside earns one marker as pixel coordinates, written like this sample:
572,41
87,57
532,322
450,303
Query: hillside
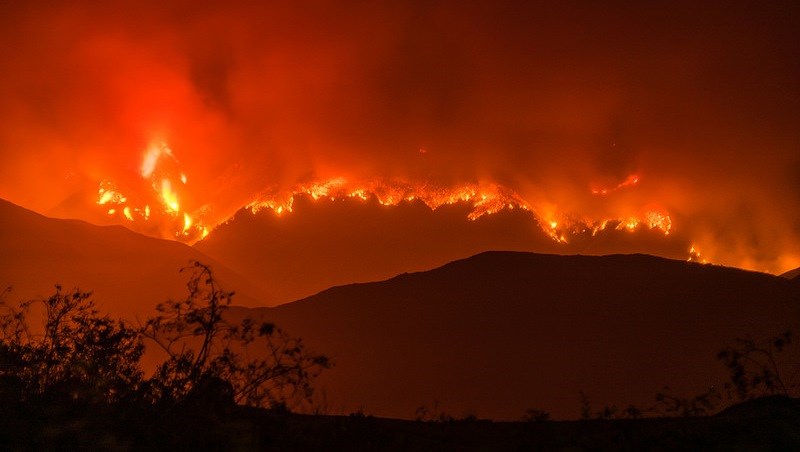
792,274
501,332
128,273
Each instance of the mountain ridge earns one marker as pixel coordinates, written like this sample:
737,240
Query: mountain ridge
792,274
500,253
500,332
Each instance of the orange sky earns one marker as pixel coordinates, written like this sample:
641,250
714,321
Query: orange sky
700,101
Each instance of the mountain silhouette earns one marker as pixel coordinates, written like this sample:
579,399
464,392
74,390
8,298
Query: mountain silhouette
501,332
128,273
792,274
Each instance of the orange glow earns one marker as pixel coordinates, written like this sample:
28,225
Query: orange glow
484,199
169,197
108,194
694,255
172,217
631,181
187,223
659,220
540,111
159,166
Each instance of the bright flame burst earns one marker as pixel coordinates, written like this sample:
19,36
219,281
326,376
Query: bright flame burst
159,169
694,255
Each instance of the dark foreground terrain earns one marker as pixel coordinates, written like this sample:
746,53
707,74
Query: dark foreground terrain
765,424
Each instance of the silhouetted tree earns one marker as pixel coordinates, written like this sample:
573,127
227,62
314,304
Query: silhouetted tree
74,352
669,404
203,346
536,415
435,414
633,412
586,406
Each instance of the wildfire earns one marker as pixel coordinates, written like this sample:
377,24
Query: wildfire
658,220
169,197
483,199
160,170
694,255
108,194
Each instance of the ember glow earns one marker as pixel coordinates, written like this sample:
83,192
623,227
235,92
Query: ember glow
677,120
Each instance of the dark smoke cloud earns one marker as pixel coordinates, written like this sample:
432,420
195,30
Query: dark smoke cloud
702,99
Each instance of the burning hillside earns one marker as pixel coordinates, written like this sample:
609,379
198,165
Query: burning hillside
679,119
163,180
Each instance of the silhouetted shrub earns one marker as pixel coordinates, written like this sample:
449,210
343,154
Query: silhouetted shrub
73,353
535,415
668,404
202,344
755,368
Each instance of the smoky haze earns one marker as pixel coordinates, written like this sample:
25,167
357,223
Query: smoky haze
700,101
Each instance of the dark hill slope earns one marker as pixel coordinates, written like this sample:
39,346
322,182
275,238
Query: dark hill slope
128,273
502,331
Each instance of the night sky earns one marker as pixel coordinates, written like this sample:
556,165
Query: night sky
698,102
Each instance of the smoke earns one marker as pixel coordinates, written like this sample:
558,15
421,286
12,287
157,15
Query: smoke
701,101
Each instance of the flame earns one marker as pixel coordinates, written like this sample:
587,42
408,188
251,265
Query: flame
169,197
694,255
659,220
484,199
187,223
630,181
108,194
